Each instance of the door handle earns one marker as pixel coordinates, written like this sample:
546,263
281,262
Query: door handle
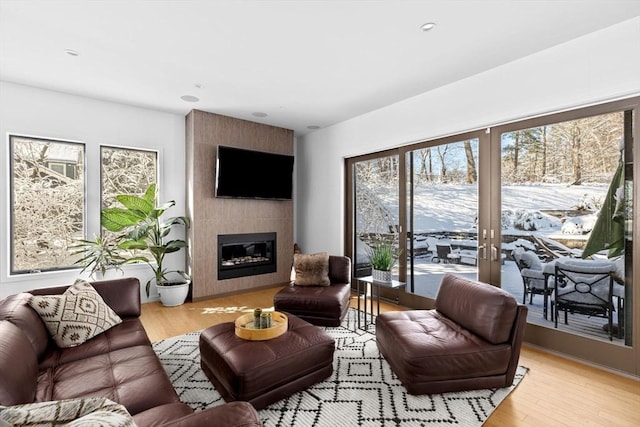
482,251
494,253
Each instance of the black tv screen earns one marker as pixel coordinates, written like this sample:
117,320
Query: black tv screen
253,174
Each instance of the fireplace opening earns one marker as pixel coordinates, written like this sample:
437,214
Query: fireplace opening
246,254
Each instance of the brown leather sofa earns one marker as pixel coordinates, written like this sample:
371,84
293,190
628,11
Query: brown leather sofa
471,340
118,364
320,305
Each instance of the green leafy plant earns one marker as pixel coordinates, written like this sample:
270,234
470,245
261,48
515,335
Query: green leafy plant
142,230
99,255
382,256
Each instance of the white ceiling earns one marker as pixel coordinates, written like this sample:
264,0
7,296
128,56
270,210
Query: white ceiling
301,62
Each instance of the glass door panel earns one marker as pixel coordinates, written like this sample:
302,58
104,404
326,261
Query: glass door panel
442,214
566,194
376,214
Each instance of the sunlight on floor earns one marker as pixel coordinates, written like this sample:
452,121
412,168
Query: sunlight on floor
231,309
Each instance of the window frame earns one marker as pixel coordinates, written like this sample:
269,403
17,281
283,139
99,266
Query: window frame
12,271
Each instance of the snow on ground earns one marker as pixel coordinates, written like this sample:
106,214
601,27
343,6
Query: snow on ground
453,207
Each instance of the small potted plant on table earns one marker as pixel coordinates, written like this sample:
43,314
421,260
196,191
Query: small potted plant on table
382,257
144,232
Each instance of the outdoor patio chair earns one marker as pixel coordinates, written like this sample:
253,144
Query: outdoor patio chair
533,277
584,287
446,255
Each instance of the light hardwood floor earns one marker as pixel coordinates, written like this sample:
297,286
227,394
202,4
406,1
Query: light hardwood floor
555,391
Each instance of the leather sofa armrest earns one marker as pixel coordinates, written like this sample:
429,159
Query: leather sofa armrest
18,366
232,414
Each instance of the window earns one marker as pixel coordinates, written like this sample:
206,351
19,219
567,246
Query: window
66,169
47,202
566,194
126,171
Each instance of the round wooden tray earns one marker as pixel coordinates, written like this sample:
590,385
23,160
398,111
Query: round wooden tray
246,330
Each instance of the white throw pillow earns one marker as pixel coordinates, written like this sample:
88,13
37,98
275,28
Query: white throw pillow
76,316
92,411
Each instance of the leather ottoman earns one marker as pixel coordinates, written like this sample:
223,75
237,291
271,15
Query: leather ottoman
263,372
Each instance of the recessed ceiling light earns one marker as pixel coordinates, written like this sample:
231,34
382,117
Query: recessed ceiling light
259,114
313,127
427,26
71,52
190,98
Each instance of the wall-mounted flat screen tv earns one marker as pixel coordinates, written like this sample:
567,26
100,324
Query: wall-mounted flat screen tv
250,174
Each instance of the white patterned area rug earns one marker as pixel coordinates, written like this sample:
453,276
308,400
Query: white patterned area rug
362,391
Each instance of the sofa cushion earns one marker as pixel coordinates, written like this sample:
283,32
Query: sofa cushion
129,333
18,366
232,414
481,308
311,269
76,316
70,413
319,305
16,309
160,415
133,377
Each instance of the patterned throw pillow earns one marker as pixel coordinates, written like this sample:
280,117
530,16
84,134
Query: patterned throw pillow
311,270
92,411
76,316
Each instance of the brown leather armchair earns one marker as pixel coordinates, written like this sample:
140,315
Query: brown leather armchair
320,305
471,340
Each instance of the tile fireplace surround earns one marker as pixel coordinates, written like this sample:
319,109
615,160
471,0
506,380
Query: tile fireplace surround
214,216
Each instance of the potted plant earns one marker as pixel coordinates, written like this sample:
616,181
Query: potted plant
382,257
99,256
144,233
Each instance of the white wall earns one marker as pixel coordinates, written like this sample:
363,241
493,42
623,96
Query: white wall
36,112
598,67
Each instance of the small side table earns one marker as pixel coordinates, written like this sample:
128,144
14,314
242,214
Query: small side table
374,295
